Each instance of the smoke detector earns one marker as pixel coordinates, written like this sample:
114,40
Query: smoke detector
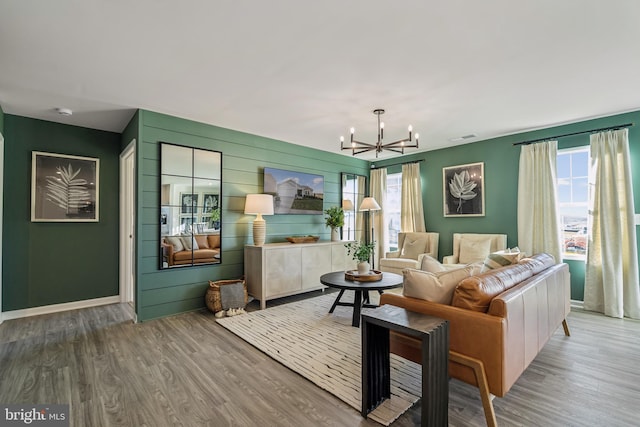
64,111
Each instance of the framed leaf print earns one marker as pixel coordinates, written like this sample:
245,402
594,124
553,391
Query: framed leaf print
463,190
64,188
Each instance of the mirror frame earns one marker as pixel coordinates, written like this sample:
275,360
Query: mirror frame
170,208
359,225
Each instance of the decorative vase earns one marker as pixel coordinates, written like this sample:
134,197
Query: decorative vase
363,267
335,234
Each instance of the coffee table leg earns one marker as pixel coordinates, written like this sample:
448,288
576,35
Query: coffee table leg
335,303
357,305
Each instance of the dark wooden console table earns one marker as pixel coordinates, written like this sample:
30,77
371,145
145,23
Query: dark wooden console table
376,376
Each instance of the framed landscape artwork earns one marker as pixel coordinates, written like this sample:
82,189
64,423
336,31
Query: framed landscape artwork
463,190
64,188
294,192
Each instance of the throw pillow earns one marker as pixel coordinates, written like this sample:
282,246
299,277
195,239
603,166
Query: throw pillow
176,242
500,259
473,250
435,287
412,247
189,243
235,297
201,240
431,264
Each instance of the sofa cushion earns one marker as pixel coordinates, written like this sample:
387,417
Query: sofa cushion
473,250
189,243
500,259
201,239
435,287
476,292
176,242
431,264
413,245
213,240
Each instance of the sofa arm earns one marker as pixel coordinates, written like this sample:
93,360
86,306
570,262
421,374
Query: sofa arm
168,252
395,254
477,335
451,259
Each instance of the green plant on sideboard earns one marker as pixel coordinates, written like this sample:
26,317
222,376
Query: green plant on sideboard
335,217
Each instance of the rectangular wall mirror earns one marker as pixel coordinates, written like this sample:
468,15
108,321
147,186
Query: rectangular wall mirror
353,190
190,206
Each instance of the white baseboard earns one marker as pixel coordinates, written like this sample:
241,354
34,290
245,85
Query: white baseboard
577,304
56,308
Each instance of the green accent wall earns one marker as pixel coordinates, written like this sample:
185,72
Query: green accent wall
51,263
165,292
501,161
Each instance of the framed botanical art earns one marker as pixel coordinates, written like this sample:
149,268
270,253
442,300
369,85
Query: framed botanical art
188,203
463,190
64,188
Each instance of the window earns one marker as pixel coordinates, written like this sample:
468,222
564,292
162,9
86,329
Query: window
392,210
573,200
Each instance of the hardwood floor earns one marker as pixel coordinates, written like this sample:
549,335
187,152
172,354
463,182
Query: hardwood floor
187,370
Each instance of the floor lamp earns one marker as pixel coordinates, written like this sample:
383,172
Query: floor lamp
370,205
347,207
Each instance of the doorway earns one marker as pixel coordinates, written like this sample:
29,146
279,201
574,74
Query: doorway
127,227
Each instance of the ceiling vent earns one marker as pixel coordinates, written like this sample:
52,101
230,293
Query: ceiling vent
463,138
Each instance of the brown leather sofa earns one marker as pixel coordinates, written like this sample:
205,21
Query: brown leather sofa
498,322
208,250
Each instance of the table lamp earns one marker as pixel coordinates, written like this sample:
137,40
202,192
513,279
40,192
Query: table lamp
259,204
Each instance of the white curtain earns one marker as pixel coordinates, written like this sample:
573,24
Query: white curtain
611,280
359,223
411,210
378,190
538,222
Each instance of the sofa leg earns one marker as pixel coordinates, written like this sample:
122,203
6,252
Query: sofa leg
483,385
565,325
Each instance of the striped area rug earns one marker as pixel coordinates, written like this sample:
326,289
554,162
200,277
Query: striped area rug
325,349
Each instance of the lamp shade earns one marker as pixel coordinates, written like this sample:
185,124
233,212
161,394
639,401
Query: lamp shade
259,204
347,205
369,204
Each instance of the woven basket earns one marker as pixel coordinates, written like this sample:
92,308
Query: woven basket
212,297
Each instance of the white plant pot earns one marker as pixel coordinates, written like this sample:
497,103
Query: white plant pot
335,234
364,267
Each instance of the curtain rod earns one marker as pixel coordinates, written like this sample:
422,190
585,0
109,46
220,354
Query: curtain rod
626,125
373,166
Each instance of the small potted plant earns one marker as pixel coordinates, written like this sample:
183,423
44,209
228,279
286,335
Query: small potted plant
215,218
361,252
334,220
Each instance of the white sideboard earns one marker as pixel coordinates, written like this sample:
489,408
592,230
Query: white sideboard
277,270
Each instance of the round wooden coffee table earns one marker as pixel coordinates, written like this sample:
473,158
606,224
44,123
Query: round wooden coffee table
361,298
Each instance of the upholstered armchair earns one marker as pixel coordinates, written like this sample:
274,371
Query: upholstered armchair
412,247
469,248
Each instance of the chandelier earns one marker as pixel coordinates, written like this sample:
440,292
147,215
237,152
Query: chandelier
359,147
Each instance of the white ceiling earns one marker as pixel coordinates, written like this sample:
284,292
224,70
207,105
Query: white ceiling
306,71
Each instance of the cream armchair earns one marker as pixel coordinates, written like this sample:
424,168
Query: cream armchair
470,248
412,247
